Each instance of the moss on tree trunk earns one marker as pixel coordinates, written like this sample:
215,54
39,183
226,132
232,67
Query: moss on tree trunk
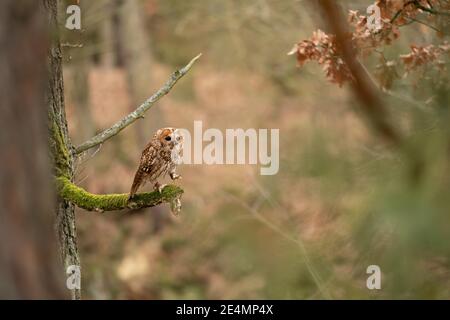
63,155
60,146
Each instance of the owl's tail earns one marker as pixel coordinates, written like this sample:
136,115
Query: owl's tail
138,179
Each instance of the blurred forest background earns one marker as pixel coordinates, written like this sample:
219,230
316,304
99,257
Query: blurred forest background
342,200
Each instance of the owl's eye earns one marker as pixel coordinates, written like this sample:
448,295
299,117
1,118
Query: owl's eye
168,138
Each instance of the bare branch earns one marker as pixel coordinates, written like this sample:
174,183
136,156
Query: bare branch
138,113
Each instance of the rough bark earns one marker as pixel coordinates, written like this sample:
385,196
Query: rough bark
29,266
61,148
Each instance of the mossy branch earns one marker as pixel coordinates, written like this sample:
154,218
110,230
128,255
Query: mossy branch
139,112
109,202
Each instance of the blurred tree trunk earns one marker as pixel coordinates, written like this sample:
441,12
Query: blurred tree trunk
79,66
80,95
28,253
108,37
60,146
137,54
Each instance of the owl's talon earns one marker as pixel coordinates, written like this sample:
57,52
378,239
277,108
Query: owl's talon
159,187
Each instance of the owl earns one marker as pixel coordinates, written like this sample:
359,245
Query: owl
160,157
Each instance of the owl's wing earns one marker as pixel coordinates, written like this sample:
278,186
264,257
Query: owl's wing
146,167
148,159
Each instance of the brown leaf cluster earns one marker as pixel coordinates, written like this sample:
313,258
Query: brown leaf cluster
322,47
421,55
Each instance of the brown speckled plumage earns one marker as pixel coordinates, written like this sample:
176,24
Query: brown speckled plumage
158,159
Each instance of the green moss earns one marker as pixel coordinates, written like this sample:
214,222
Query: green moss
108,202
60,153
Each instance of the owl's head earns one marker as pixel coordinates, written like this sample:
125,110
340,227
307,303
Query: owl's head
169,137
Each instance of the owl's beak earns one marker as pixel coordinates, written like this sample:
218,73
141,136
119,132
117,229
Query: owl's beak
174,143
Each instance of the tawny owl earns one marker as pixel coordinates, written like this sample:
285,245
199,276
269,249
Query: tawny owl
160,156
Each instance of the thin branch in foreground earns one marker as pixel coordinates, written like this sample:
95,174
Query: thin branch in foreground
139,112
429,10
109,202
297,240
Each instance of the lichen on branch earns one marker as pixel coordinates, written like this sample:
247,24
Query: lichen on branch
110,202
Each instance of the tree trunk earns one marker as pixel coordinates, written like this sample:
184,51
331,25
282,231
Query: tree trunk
109,39
28,253
138,62
61,147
